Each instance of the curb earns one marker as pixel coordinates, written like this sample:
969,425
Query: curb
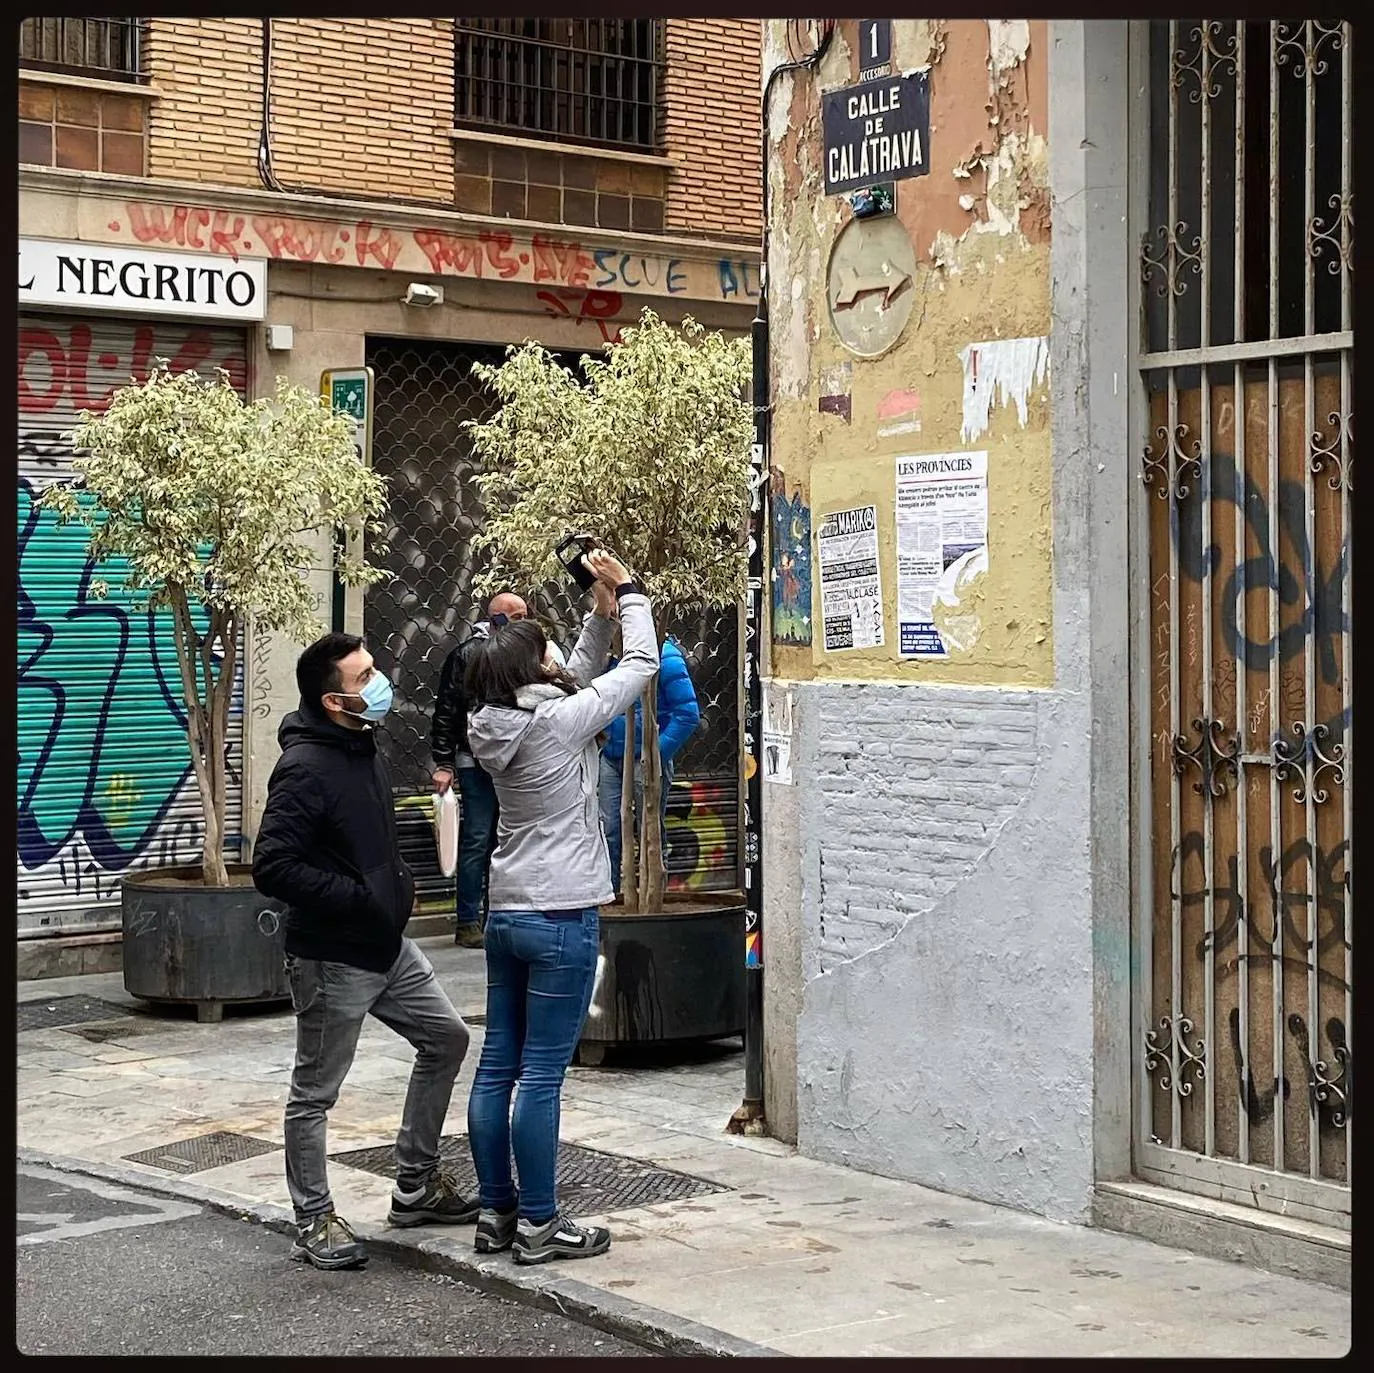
660,1331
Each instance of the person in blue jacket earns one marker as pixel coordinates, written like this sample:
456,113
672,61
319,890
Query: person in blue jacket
678,718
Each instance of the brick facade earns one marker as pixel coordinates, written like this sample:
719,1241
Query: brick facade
346,115
712,98
368,110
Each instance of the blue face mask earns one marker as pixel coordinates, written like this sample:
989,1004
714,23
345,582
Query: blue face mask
376,697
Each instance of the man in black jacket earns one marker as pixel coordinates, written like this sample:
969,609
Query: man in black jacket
448,743
327,848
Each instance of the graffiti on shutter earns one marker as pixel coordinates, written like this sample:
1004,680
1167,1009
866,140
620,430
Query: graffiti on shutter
104,780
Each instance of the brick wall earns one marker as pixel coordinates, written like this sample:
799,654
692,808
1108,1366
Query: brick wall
367,108
712,122
204,125
364,108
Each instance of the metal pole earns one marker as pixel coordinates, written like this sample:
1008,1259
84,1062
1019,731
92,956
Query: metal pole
749,1118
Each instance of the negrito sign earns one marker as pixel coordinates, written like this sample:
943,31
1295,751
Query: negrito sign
876,131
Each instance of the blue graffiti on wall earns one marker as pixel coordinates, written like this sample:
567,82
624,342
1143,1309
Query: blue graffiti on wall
84,663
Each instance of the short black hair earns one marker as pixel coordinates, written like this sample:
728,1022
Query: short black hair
317,669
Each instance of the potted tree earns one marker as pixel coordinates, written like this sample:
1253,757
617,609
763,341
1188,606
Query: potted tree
206,503
649,453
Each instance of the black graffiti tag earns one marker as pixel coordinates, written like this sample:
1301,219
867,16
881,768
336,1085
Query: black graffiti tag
1324,617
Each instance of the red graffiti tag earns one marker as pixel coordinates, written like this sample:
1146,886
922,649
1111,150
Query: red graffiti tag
56,364
182,225
306,240
555,260
598,306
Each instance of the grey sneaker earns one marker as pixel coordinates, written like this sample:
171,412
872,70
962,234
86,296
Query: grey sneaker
327,1242
559,1239
438,1202
495,1230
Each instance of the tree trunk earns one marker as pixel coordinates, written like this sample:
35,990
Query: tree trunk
629,867
650,833
189,644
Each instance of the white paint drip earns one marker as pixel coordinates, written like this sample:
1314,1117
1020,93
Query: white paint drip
1007,368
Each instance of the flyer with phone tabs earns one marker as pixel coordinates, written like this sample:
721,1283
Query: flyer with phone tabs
942,550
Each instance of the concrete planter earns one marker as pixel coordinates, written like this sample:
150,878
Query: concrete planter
666,976
185,943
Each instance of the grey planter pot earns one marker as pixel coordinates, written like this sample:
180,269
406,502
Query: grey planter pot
669,976
206,946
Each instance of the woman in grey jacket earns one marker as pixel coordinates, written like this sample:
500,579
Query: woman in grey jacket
534,728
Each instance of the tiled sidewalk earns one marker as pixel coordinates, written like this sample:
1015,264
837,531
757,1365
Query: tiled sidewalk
795,1256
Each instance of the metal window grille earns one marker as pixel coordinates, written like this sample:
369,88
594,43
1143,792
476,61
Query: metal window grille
1244,997
109,48
572,80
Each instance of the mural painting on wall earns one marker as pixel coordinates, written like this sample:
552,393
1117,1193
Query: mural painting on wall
104,777
791,570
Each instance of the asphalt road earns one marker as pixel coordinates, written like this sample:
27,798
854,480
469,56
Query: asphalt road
108,1270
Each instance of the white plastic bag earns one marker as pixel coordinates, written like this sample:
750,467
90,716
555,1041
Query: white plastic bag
446,830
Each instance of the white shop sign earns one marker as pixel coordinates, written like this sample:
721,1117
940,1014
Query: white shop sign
97,276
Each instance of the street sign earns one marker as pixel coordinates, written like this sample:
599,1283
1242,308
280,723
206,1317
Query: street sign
350,391
876,131
875,44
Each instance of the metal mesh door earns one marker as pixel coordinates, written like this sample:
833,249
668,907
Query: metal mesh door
425,391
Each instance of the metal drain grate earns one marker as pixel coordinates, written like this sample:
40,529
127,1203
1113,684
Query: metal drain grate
101,1032
205,1151
65,1010
589,1182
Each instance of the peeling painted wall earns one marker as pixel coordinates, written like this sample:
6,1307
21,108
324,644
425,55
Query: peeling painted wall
979,227
929,880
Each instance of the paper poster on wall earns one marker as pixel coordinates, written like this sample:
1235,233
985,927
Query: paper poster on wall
851,595
777,735
942,538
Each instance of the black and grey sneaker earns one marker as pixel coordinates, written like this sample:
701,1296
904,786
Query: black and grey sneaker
438,1202
327,1242
559,1239
495,1230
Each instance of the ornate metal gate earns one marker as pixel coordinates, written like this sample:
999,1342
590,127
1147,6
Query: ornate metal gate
1243,991
424,392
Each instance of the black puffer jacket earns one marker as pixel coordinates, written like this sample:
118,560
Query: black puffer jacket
327,846
448,729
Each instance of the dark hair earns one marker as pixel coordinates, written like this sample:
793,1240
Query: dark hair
508,659
317,669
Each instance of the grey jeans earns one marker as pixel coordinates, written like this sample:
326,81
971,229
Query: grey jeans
331,1001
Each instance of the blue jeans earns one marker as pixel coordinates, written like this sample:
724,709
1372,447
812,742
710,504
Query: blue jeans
541,966
610,787
476,842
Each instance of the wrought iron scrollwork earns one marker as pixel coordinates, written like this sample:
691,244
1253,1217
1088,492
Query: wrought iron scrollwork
1325,1087
1213,760
1159,1046
1172,464
1305,759
1205,61
1328,453
1305,40
1339,238
1170,260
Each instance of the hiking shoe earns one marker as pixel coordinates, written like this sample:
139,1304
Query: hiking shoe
495,1230
469,937
327,1242
559,1239
438,1202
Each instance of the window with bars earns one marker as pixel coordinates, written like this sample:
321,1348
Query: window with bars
112,49
591,81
